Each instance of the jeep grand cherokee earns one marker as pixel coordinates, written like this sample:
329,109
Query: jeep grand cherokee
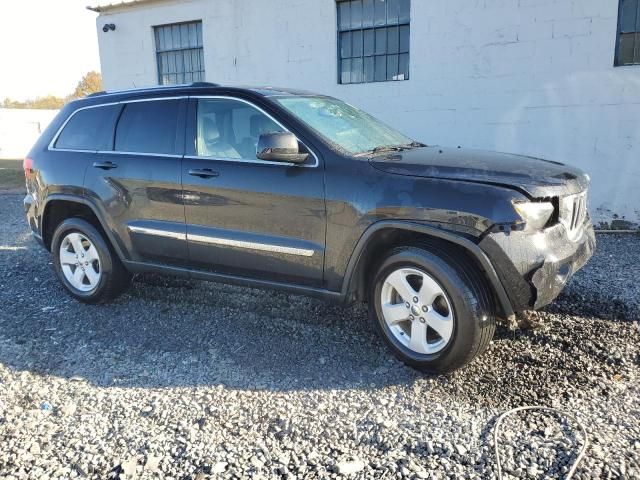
301,192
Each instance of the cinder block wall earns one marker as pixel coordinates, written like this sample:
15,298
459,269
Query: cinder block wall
525,76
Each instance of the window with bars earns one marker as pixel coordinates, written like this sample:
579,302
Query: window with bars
628,46
373,40
179,53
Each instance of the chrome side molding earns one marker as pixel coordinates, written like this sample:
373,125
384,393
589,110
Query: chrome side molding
213,240
157,232
265,247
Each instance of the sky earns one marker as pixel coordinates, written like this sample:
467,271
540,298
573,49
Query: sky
46,46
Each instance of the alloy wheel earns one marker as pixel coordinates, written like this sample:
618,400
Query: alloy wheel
80,262
417,310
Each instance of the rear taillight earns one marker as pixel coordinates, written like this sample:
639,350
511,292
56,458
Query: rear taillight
27,165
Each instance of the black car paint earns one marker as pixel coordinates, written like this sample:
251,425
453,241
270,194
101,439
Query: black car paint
257,202
333,208
534,177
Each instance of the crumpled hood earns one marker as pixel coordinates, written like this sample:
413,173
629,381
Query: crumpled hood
533,176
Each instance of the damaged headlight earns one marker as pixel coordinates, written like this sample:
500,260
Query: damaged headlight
535,215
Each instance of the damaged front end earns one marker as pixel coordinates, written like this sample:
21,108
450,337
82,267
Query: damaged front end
534,266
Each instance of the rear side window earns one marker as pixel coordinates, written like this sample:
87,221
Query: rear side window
148,127
89,129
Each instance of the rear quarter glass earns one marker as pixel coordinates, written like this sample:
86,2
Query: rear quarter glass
89,128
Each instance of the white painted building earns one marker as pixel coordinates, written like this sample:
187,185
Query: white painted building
535,77
19,130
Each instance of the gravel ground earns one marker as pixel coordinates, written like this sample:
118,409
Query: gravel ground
192,380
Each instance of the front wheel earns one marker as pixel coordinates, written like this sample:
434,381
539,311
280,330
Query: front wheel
85,264
432,308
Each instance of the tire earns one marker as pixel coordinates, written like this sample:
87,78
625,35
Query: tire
464,313
102,277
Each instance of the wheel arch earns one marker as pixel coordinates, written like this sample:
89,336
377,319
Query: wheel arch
384,235
59,207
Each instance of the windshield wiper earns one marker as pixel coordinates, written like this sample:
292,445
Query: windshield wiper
388,148
394,148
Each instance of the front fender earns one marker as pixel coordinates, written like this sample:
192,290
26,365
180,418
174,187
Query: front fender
348,284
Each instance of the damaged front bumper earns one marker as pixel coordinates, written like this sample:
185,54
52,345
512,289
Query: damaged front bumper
535,267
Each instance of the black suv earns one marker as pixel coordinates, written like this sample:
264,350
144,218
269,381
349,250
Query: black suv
302,192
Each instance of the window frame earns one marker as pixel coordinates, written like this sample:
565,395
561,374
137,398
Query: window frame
187,129
619,33
108,135
241,104
54,140
179,135
179,130
374,27
192,135
158,52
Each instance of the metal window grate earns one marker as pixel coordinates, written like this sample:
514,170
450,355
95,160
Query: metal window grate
373,40
628,44
179,53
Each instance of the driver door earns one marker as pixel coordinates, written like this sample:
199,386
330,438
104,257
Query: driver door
248,217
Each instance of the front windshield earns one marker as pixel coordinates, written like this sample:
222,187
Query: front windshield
353,130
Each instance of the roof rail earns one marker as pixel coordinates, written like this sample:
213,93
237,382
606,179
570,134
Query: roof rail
156,87
203,84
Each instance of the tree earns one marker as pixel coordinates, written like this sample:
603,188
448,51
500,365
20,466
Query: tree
49,102
8,103
90,83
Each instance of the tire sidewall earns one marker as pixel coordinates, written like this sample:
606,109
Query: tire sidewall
106,261
466,318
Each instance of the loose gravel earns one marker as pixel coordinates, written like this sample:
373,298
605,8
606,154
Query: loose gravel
193,380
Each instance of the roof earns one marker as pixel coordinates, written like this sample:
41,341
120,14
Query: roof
198,88
106,7
157,88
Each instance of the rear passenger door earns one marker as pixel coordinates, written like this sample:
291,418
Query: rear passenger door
136,182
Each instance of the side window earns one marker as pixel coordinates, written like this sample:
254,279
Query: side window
148,127
373,40
230,129
89,129
628,48
179,53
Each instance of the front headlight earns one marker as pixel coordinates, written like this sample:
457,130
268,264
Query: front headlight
535,215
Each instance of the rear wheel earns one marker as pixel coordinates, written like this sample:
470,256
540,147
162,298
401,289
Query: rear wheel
85,264
432,308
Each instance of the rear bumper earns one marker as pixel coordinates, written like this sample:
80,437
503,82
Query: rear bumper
534,268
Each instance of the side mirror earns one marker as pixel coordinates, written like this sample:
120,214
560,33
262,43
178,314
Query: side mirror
280,147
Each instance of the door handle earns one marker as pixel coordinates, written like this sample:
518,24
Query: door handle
203,172
105,165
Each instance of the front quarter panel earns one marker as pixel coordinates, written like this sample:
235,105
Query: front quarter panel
358,196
